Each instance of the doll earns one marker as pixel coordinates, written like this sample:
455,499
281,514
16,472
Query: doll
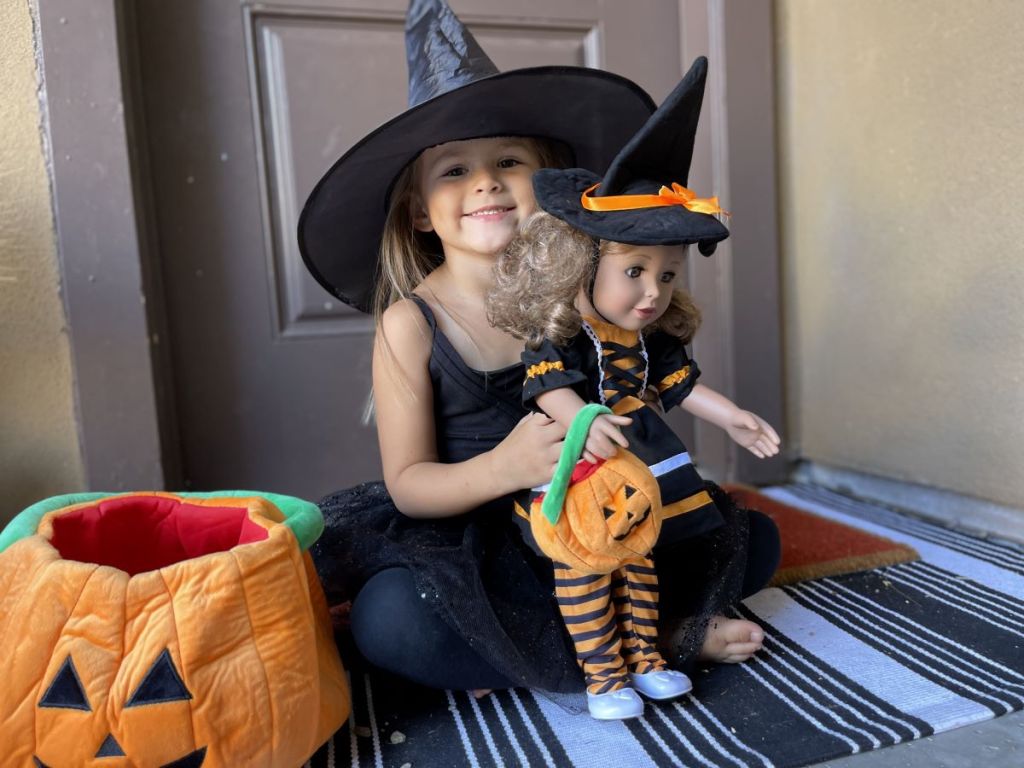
589,284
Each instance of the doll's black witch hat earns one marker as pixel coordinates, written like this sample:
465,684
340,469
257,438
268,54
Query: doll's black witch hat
642,199
455,93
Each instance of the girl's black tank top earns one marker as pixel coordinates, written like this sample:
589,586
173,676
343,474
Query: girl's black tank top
473,410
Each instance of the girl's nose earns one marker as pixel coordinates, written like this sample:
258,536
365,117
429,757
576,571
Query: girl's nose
486,181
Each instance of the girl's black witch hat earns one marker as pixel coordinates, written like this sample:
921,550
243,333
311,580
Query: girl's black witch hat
642,199
455,93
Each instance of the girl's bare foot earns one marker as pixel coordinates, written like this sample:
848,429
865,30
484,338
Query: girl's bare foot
479,693
729,641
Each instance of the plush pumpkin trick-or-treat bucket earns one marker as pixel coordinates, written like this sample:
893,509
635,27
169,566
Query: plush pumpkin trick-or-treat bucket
596,517
165,630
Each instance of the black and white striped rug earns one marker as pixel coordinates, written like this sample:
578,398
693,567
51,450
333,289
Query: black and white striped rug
850,663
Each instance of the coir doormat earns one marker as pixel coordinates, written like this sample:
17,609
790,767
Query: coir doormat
814,546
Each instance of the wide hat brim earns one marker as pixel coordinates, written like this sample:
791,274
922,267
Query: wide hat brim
559,191
593,112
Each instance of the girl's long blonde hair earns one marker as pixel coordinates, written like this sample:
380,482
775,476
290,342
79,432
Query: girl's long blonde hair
542,272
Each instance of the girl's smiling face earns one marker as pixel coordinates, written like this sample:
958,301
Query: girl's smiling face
475,193
634,283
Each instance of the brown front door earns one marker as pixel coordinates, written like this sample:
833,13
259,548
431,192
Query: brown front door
243,107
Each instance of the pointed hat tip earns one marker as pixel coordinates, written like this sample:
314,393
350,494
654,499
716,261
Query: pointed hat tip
441,52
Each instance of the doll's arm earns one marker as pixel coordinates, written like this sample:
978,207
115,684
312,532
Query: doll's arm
419,484
605,433
745,428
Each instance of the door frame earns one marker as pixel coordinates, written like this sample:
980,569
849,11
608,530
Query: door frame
110,299
110,283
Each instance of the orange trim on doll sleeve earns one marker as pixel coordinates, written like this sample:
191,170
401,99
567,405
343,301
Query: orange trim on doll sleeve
674,378
543,367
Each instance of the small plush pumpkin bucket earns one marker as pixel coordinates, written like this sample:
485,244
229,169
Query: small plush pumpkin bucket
596,517
159,629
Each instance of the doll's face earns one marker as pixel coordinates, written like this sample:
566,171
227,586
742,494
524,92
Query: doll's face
634,283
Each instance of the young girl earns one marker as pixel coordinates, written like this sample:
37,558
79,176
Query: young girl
592,291
444,592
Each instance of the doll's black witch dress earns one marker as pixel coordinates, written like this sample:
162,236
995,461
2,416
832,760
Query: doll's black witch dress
476,572
615,367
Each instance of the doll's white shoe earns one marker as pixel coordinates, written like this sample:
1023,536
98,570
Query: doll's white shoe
615,705
661,684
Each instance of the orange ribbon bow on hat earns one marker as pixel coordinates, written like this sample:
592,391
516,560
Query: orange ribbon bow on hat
677,195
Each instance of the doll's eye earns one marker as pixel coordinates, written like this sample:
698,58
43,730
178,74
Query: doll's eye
668,277
634,272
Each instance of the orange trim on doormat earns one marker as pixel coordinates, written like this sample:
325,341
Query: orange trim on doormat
814,547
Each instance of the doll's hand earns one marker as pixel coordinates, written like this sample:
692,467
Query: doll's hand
528,455
753,433
605,433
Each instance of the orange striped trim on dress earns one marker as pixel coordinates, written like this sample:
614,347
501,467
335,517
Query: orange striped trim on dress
674,378
541,368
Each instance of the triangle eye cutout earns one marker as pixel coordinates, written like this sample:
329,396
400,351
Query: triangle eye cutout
66,692
161,684
607,512
630,490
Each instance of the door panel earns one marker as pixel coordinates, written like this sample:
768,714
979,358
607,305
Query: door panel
244,107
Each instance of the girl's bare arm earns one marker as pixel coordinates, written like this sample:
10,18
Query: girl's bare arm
419,484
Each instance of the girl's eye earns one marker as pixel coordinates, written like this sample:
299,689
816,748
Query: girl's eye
634,272
509,162
668,277
453,172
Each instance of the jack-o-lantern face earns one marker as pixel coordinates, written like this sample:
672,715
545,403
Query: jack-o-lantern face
611,516
161,685
624,510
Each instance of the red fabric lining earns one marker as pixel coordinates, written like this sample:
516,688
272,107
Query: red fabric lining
583,470
144,533
580,472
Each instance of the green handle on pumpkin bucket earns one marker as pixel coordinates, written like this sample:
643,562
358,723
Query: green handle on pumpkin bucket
572,449
302,517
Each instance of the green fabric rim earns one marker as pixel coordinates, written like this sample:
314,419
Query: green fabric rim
26,522
572,449
302,517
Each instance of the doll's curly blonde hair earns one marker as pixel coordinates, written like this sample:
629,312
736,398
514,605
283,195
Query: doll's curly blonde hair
543,270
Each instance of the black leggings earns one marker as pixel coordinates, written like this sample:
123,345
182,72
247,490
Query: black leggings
396,630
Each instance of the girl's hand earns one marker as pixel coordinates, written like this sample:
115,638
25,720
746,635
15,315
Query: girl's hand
753,433
605,432
527,456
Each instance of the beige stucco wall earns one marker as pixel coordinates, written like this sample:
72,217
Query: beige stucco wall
39,454
902,172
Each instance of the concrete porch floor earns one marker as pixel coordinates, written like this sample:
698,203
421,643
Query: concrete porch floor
995,743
